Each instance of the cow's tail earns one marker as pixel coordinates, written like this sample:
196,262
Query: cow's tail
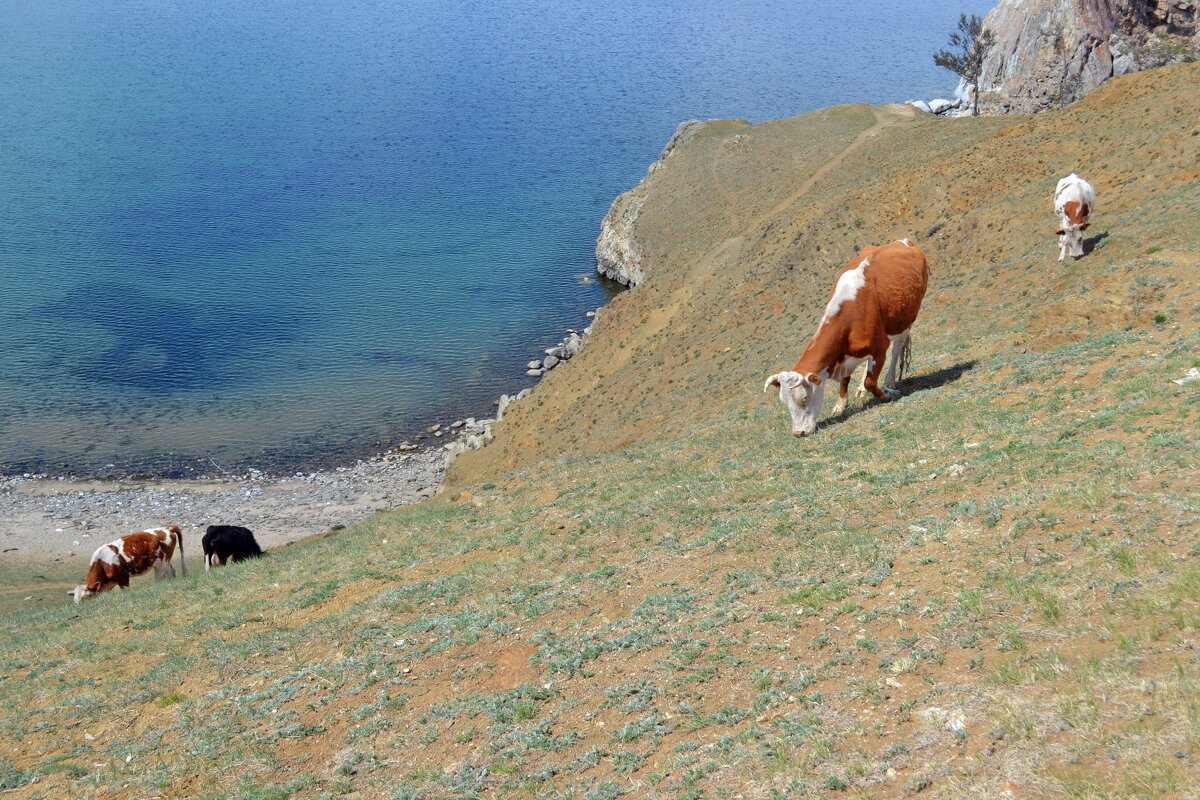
182,563
905,357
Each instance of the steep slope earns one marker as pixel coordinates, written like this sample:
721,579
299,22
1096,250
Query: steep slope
647,587
744,231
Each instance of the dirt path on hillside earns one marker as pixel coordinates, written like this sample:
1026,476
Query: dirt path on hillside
885,117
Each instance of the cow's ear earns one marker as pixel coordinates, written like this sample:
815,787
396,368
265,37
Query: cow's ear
1085,226
814,379
1060,232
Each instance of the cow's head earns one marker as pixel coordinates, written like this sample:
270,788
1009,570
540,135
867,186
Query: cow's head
1072,237
80,592
803,395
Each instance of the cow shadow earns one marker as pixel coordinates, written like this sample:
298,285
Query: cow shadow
1092,242
909,386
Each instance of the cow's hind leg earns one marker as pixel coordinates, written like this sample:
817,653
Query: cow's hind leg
871,379
862,387
900,348
163,569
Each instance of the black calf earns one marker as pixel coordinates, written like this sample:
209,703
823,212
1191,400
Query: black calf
224,543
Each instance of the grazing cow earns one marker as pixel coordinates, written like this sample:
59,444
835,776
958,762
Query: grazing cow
224,543
113,564
1074,201
873,305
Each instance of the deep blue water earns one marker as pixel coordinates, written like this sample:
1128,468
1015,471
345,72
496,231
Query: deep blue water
288,232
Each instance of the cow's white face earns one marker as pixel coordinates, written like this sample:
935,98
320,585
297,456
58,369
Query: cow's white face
802,395
1071,237
80,592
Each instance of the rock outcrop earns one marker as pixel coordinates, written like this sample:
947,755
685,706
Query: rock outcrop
1049,53
618,254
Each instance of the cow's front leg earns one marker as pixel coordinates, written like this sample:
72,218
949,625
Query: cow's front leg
841,403
1062,248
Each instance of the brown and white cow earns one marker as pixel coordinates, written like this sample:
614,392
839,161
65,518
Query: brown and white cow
1074,202
113,564
873,305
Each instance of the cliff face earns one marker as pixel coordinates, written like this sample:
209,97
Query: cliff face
618,253
1050,53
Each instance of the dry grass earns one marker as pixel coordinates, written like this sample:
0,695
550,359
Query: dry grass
647,587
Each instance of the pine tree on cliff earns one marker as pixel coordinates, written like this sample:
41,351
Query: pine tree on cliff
972,42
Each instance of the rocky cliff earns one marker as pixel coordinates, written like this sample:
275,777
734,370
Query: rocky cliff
618,254
1050,53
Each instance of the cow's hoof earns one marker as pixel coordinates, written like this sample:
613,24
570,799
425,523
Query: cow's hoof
839,408
890,393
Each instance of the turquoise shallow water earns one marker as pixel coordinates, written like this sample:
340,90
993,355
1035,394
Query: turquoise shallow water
290,232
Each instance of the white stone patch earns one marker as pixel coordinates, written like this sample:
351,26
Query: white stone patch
952,720
848,284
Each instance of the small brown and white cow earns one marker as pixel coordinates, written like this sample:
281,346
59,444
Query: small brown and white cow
874,304
113,564
1074,202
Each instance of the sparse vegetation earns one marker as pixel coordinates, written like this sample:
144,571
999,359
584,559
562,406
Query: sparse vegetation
993,580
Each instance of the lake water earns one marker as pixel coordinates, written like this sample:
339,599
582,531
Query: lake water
291,232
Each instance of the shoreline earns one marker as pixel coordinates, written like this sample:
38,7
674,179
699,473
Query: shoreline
64,518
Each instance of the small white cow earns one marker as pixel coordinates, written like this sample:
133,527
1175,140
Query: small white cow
1074,201
873,306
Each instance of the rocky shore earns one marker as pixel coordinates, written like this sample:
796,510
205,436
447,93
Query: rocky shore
64,519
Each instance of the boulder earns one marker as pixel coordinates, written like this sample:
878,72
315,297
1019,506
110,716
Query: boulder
570,346
940,106
551,362
534,373
921,105
1124,64
964,93
535,364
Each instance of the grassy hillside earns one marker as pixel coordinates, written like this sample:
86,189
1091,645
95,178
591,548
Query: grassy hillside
646,587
